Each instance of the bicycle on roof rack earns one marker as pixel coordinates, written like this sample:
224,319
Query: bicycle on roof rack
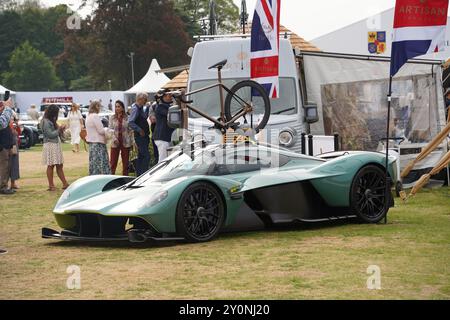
244,101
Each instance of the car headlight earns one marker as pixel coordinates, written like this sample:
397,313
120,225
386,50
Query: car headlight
156,198
64,197
287,137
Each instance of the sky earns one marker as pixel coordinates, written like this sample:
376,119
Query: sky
309,19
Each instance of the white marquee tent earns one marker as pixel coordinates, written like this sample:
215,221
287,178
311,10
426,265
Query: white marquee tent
3,90
152,82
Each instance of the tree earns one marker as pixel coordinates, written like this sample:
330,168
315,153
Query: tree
8,4
149,28
28,21
198,11
82,84
11,36
31,70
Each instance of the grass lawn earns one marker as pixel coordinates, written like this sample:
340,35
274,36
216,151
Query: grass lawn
326,261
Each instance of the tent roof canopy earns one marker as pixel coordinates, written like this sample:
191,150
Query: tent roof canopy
3,89
151,82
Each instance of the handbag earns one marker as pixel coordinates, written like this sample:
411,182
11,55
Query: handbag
83,134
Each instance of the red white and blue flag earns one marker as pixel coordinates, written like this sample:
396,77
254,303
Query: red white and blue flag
265,45
419,28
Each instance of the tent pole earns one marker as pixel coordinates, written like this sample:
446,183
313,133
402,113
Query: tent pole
388,129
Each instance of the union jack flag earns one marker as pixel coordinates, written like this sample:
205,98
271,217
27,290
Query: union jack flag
265,46
419,28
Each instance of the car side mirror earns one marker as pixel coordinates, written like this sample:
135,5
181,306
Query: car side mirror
175,117
311,113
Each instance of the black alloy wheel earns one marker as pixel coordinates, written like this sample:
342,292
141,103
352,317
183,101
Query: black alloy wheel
200,212
368,199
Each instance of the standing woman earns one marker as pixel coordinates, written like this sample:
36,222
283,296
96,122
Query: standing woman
121,141
14,170
52,155
75,125
98,154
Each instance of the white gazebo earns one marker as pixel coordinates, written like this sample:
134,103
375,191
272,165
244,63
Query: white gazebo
151,83
3,90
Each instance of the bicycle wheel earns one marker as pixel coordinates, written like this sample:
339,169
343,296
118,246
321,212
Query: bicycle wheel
252,93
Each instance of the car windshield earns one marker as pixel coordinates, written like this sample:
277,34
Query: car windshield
177,166
214,161
208,101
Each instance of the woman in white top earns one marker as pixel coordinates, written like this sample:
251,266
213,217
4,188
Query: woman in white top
75,125
98,153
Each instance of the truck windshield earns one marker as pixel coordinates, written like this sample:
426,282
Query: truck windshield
208,101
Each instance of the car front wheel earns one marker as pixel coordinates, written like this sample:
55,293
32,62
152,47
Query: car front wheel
200,212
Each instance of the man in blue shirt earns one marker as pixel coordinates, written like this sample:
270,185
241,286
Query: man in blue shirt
138,123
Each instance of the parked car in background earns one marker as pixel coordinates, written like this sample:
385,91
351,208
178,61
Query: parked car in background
31,132
64,104
63,107
104,114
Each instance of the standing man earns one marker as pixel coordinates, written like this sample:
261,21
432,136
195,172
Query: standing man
138,123
6,144
163,133
33,113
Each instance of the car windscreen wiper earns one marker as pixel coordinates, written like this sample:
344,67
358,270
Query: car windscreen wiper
285,110
156,168
132,187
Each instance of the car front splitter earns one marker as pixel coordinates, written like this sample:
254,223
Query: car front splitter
134,236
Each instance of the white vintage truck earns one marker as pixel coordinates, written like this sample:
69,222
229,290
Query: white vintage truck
290,115
323,93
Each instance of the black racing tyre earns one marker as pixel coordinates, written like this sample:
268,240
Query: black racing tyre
200,212
368,199
248,91
35,137
28,134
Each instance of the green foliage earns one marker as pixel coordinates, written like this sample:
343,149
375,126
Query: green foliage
11,36
28,21
198,10
9,4
87,58
31,70
82,84
149,28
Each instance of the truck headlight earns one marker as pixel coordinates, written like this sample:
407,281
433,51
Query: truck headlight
287,137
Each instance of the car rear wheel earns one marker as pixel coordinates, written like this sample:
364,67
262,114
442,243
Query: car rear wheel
200,212
368,198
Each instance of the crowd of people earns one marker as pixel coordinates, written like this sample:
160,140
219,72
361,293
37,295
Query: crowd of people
143,127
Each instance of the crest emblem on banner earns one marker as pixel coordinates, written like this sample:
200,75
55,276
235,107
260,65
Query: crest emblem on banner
377,42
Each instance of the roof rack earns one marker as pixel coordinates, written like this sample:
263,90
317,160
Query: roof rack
285,35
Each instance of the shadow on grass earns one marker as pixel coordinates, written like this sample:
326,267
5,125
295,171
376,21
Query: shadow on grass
233,235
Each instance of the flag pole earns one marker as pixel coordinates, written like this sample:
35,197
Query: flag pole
388,130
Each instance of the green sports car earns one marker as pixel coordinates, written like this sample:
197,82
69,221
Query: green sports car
194,195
